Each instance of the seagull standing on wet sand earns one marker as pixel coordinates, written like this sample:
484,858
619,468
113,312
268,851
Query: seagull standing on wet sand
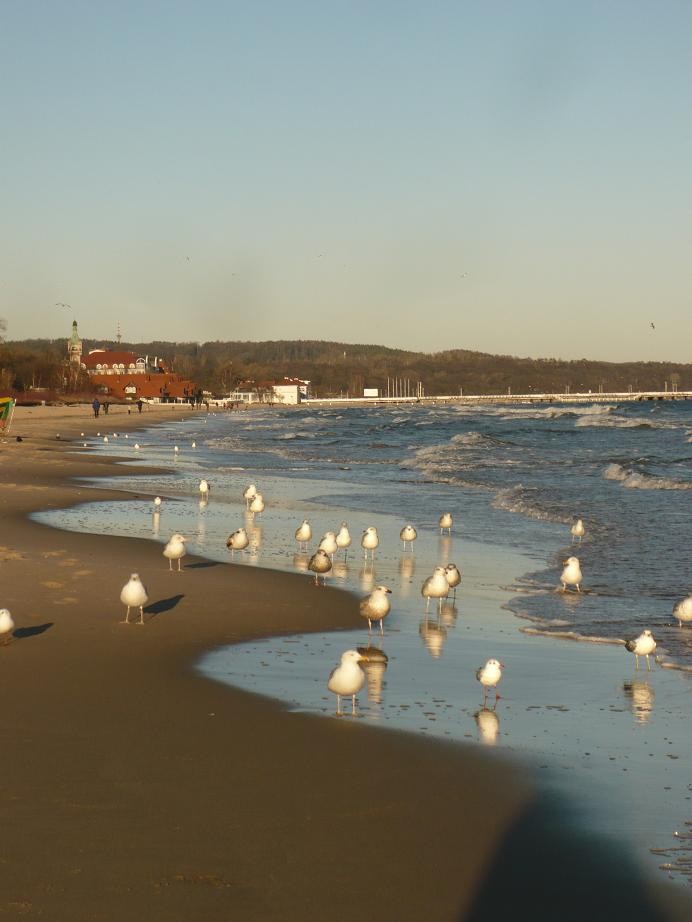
408,533
578,530
644,645
489,676
376,606
6,626
369,541
249,494
257,504
320,563
435,587
175,550
571,575
134,595
343,538
328,544
204,488
157,503
304,534
453,577
683,610
237,541
445,522
347,679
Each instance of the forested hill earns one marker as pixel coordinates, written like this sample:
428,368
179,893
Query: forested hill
340,368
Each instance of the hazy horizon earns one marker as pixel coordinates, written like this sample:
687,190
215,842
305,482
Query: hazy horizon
510,179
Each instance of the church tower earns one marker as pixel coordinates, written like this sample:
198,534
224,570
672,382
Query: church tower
74,347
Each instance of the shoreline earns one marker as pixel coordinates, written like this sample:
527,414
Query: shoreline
138,789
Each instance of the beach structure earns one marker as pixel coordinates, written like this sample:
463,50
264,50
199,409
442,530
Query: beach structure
644,645
347,679
571,574
134,595
376,606
175,550
489,676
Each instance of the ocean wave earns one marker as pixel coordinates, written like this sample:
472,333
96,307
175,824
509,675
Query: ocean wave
634,480
588,412
571,635
518,499
619,422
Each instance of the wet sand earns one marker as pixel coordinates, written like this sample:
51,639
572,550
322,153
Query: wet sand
132,788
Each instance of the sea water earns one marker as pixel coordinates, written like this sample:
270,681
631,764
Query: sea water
514,479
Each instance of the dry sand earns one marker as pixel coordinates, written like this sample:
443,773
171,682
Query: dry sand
133,789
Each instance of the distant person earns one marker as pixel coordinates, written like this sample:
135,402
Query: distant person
96,406
105,406
140,404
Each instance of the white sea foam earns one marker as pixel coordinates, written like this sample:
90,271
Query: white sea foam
634,480
516,499
619,422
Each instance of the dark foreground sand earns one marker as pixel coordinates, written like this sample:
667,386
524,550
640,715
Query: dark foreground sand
133,789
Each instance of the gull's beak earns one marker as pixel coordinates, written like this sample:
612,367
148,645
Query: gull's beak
389,591
503,665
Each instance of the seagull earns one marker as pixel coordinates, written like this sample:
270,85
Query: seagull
105,438
446,522
571,575
249,494
134,595
376,607
408,533
136,446
652,326
257,504
204,488
175,550
643,645
343,538
328,544
435,587
347,679
369,541
6,626
238,541
194,444
320,563
304,534
578,530
683,610
453,577
157,503
489,676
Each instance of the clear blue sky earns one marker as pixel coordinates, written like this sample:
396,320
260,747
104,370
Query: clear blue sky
507,177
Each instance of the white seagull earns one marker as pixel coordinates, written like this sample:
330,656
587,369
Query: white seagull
571,575
6,626
328,544
644,645
369,541
376,606
683,610
257,504
304,534
445,522
320,563
343,538
489,676
157,503
175,550
204,488
435,587
134,595
408,533
249,494
578,530
453,577
347,679
237,541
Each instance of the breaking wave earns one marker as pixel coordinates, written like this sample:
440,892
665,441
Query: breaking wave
634,480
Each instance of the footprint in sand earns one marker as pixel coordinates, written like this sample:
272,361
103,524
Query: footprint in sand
54,553
52,584
78,574
66,600
7,554
70,562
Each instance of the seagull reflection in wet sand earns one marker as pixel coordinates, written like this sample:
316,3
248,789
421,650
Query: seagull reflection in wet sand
488,724
434,636
641,697
374,665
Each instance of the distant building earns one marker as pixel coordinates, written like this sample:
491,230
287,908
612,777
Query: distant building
125,375
371,392
287,391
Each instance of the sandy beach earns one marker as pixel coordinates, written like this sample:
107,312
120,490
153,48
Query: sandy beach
134,789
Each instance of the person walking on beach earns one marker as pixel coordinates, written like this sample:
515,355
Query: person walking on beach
139,406
105,406
96,404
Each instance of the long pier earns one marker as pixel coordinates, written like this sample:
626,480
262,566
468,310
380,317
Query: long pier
476,399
